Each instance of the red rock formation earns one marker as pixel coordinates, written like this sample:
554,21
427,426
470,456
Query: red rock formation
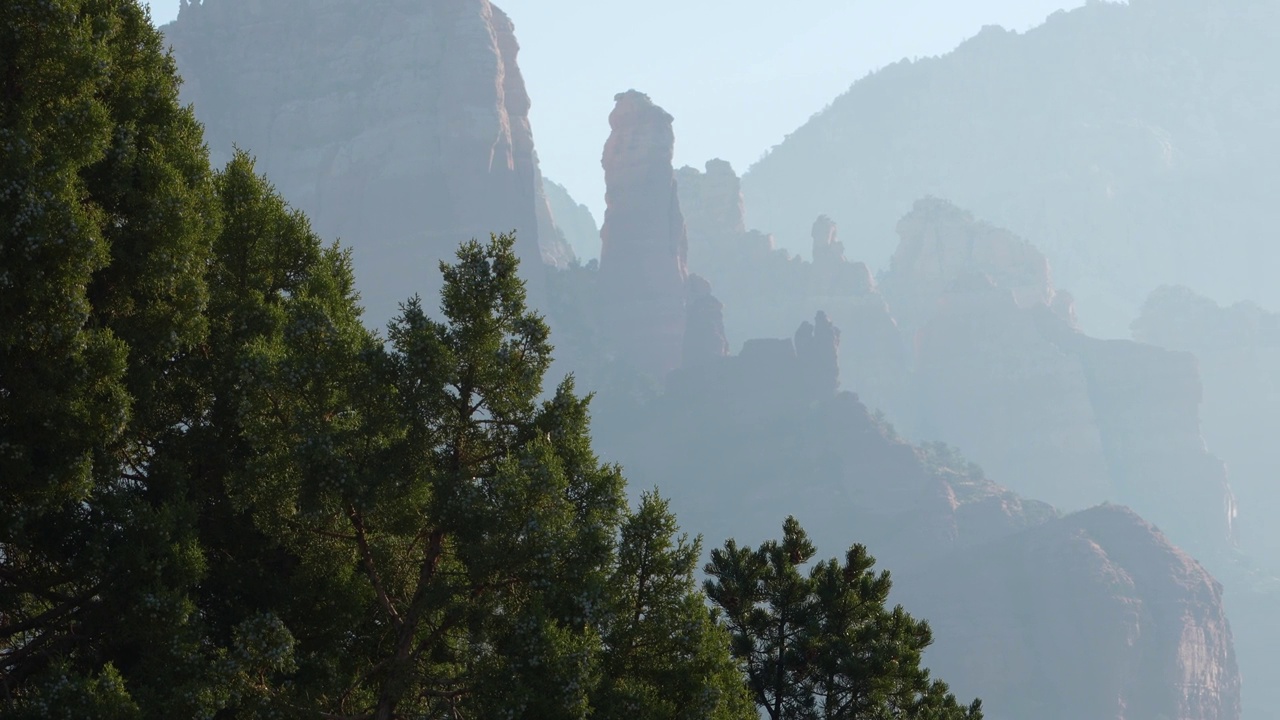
818,350
712,201
403,132
1237,349
988,381
827,247
557,252
764,289
1147,402
643,250
1096,615
1002,372
1098,600
704,338
832,273
939,243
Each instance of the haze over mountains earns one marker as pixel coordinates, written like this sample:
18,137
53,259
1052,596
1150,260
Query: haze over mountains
775,64
928,374
1135,143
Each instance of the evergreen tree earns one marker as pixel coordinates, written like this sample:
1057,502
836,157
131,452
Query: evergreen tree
824,645
463,530
105,210
222,496
665,654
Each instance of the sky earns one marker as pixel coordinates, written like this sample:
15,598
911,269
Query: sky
738,75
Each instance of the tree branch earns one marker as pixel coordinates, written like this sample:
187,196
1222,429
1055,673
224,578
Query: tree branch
366,556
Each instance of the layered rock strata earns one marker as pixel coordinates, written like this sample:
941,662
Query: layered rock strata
403,131
643,244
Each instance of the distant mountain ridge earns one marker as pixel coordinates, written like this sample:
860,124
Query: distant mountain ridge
1135,143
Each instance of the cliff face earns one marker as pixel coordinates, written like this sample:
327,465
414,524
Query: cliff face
1237,350
1007,618
704,337
996,364
1134,142
966,340
987,380
575,221
765,288
403,132
643,244
1092,615
1001,372
939,244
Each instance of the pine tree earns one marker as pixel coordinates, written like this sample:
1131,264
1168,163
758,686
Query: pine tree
665,655
824,645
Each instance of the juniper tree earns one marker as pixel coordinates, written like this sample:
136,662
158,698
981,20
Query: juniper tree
463,526
105,224
665,656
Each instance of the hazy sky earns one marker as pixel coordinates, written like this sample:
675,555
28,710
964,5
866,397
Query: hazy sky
738,75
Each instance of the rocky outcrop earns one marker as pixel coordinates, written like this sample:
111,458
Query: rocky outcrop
764,288
1237,349
833,273
1147,403
403,131
555,248
939,244
1093,615
827,248
987,380
1001,372
574,220
818,351
1007,618
713,199
704,338
643,244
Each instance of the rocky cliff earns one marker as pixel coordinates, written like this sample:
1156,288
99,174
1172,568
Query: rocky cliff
1237,349
940,244
403,131
995,363
1092,615
575,222
764,288
704,336
643,251
1099,599
1000,372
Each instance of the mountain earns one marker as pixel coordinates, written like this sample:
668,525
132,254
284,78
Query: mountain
575,220
1134,143
1100,613
402,131
1094,614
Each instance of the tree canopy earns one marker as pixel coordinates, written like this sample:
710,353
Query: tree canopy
824,645
221,495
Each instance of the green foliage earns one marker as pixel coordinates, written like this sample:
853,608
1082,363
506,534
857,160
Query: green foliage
105,204
824,645
666,654
223,496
